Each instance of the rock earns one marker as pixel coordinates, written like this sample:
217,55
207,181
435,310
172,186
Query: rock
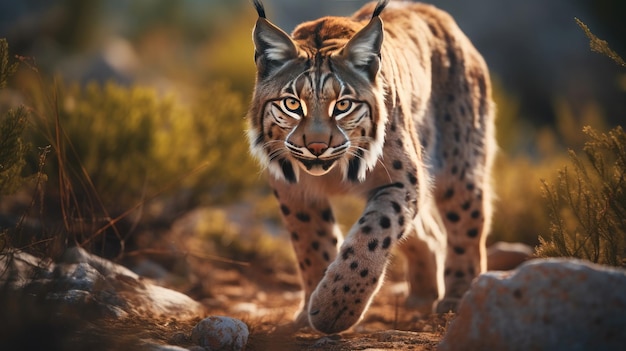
546,304
155,347
503,256
218,333
17,268
82,280
105,267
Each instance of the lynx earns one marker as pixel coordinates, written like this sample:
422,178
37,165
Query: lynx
392,104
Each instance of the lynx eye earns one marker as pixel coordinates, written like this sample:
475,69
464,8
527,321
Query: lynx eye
292,105
342,106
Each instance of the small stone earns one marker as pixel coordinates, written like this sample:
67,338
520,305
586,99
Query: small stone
219,333
166,348
503,256
546,304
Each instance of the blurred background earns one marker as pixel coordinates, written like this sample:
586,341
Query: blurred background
151,95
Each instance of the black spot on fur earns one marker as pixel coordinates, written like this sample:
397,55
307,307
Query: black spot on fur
307,262
366,229
372,244
475,214
470,186
346,288
459,250
459,274
327,215
400,235
326,256
285,210
315,245
347,253
401,220
397,164
472,233
448,194
386,242
447,272
354,165
303,217
354,265
396,206
384,222
453,217
288,171
466,205
412,178
364,273
295,236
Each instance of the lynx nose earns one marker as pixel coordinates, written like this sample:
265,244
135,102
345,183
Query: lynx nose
317,148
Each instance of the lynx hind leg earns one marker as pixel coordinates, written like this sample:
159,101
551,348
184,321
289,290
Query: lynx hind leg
463,193
467,226
424,251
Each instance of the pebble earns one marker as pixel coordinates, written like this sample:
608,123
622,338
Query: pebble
219,333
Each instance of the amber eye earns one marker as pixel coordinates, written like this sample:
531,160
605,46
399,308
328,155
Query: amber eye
342,106
292,105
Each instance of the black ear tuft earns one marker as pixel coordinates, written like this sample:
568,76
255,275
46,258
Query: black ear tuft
379,7
259,8
272,47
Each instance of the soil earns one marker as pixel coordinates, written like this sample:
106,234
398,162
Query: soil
266,300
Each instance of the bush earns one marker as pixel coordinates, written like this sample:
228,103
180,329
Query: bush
588,206
132,142
13,149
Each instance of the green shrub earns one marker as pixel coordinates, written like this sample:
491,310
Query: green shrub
132,142
13,149
588,206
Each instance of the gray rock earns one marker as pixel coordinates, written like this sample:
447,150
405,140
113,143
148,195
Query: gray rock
217,333
17,268
78,276
548,304
156,347
105,267
84,280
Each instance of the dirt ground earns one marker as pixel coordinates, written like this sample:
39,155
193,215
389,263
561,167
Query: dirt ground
267,300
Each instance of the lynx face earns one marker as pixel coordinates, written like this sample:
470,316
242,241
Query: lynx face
320,104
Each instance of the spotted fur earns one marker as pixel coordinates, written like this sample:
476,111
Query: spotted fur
393,103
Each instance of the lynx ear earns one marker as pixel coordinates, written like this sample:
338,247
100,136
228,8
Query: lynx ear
272,47
363,50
